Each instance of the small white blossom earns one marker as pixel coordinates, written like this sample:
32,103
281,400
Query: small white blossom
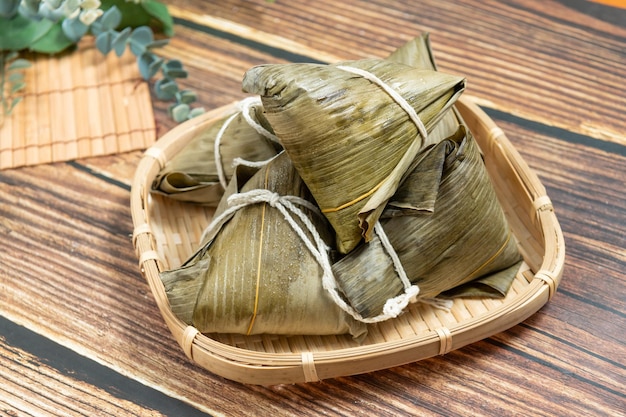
90,4
90,16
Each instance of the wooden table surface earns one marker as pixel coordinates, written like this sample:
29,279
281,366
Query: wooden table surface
80,333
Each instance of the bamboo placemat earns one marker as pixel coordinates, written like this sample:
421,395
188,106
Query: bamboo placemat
76,105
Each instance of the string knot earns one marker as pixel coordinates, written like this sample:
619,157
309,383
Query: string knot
255,197
394,306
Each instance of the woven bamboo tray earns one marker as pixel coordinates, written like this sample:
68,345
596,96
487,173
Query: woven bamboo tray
167,232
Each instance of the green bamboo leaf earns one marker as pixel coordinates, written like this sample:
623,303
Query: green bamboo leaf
54,42
159,11
19,33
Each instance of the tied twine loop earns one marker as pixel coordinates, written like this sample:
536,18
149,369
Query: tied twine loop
291,208
314,243
244,107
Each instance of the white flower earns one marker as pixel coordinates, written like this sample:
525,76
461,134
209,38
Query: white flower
90,4
90,16
71,8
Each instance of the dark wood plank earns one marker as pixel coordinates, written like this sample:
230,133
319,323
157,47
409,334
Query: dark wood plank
69,274
544,61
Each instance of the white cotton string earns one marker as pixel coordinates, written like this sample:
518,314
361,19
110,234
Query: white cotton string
216,151
410,111
394,306
251,164
244,107
287,205
384,240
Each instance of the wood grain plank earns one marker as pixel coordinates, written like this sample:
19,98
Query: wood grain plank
542,61
31,387
103,307
68,271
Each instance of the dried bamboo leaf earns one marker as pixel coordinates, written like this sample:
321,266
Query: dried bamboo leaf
348,138
418,53
466,235
193,174
256,275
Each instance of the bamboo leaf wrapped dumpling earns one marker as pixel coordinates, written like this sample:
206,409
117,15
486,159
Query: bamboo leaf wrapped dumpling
255,274
418,53
201,170
460,235
352,130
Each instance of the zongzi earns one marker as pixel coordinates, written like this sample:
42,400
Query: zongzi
352,130
445,226
202,169
259,268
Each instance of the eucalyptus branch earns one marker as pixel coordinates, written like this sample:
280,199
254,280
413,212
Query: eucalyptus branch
11,80
52,26
141,42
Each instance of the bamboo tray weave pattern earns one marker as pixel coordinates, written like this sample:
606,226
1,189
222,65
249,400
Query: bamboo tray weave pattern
77,105
167,232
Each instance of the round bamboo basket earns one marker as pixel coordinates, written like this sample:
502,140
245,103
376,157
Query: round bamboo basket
167,232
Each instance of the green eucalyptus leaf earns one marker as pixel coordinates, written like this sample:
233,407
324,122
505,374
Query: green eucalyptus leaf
119,41
170,108
19,63
17,87
159,11
158,43
149,64
8,8
174,64
175,73
186,96
174,69
96,27
180,112
195,112
104,42
16,100
29,8
142,35
54,42
140,39
16,77
74,29
111,19
51,10
165,89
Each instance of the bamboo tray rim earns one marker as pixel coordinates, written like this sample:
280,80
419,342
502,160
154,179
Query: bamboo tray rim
268,368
